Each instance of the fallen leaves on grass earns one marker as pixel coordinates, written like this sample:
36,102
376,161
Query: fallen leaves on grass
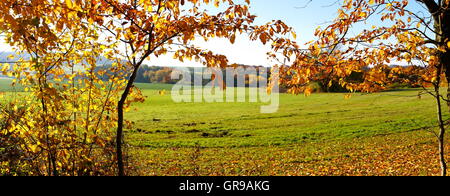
408,154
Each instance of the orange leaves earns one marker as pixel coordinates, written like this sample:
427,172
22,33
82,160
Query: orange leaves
233,38
264,38
308,91
339,52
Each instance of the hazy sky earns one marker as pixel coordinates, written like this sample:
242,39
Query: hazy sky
303,20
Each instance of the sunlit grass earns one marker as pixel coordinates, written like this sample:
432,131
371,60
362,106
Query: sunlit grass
323,134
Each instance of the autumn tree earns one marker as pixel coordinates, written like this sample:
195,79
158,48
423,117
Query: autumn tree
63,124
393,32
72,101
149,29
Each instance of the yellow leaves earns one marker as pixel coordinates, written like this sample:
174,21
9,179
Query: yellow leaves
76,100
363,14
69,4
434,79
294,35
72,9
5,68
433,60
308,91
149,6
348,96
408,57
371,2
448,44
33,148
216,3
315,50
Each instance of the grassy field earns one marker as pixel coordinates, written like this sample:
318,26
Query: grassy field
321,117
325,134
5,85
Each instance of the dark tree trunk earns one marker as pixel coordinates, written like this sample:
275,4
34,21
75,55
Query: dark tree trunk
445,60
441,132
119,136
442,26
442,152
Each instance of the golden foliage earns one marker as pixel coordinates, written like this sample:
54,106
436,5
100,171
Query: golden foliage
65,122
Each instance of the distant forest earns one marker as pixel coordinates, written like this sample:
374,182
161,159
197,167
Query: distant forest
154,74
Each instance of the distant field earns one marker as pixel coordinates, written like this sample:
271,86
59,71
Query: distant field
158,87
5,85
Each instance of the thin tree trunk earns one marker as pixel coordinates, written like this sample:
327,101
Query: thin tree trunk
445,61
119,136
442,153
448,94
441,133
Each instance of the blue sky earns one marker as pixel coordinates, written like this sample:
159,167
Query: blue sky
303,20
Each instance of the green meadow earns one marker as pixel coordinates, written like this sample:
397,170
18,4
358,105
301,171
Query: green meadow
386,133
323,134
159,122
